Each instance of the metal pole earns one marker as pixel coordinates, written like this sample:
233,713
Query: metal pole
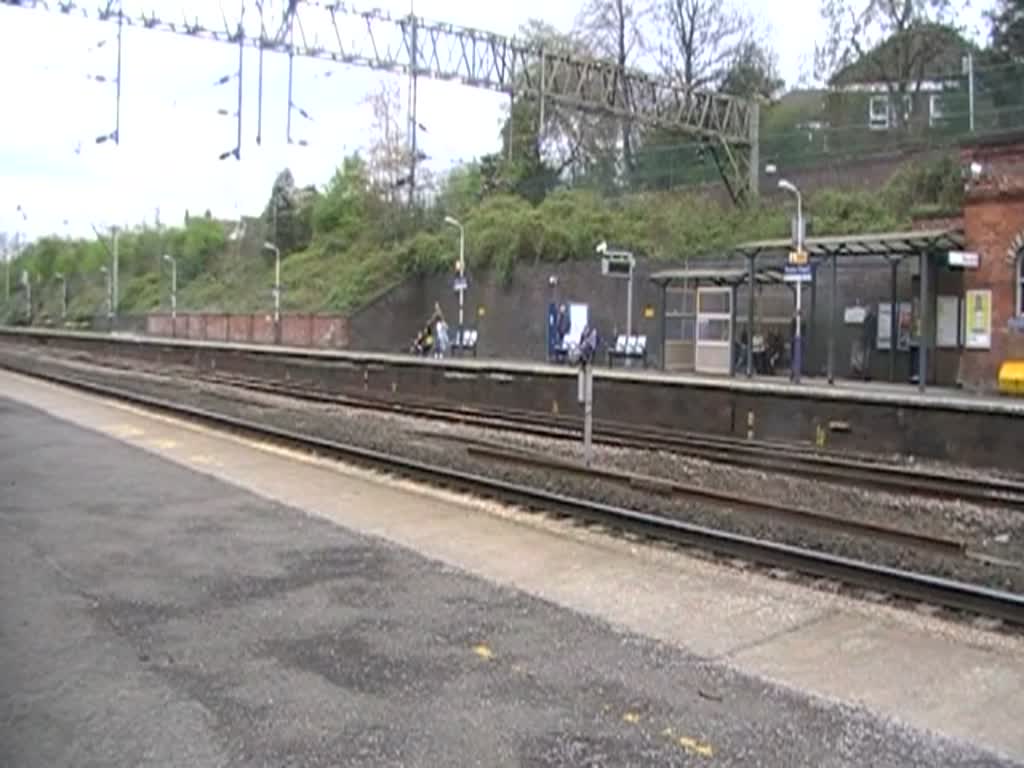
755,151
893,324
174,291
970,87
798,353
812,316
586,397
259,93
117,115
750,318
832,321
462,276
291,69
277,286
922,358
63,295
511,109
241,57
543,74
629,300
113,280
413,104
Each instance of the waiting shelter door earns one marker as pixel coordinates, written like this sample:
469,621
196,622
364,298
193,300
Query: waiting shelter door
714,330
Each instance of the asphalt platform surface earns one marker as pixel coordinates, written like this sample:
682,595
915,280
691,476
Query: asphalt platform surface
153,616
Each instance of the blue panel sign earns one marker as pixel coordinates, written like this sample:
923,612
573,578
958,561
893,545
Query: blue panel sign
797,274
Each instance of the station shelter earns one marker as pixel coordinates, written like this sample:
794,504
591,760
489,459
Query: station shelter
762,321
951,314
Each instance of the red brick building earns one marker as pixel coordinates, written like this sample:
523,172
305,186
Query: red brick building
993,219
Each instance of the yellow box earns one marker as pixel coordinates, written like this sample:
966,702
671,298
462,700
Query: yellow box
1011,378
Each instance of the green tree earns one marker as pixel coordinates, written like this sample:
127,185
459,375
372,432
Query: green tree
753,73
1007,20
342,211
289,213
1002,65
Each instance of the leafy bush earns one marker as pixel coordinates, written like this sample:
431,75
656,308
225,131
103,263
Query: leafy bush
362,243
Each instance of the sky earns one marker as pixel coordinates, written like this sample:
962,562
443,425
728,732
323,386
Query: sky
53,108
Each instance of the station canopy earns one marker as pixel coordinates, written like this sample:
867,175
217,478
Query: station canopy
711,275
888,244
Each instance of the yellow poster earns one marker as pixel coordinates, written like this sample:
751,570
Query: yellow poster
978,320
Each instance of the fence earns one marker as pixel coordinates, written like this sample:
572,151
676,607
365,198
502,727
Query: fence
296,330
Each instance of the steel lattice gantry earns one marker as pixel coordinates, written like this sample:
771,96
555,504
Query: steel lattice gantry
413,46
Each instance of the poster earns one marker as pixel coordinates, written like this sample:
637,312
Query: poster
978,320
903,326
947,321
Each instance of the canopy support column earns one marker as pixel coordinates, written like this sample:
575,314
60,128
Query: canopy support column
750,316
832,320
893,322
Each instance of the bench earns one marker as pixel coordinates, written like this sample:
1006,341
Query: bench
465,341
628,348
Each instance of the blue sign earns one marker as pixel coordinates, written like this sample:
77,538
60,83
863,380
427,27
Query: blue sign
461,284
797,274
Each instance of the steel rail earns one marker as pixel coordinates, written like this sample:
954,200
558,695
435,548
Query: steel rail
775,456
948,593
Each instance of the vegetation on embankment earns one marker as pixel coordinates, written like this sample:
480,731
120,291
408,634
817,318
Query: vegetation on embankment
350,241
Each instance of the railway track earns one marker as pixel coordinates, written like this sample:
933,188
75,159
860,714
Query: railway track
956,595
785,458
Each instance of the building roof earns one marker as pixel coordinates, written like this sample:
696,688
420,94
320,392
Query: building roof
939,49
894,244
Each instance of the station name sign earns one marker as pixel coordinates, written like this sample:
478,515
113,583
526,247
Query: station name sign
964,259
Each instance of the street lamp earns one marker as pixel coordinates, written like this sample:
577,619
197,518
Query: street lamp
63,295
798,353
269,246
26,281
110,298
174,285
461,285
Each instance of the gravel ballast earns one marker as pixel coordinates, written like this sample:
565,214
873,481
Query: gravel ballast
989,530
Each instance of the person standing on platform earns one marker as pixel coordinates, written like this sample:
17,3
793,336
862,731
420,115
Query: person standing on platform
563,325
441,341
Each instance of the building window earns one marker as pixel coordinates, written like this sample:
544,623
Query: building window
936,111
878,113
680,314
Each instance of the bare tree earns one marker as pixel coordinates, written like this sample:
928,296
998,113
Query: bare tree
896,41
701,40
612,29
388,151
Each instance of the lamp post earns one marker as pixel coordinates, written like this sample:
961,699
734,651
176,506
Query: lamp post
63,295
174,285
798,355
114,285
26,281
269,246
110,298
7,264
461,286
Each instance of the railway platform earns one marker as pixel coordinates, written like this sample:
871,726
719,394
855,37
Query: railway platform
250,605
876,418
